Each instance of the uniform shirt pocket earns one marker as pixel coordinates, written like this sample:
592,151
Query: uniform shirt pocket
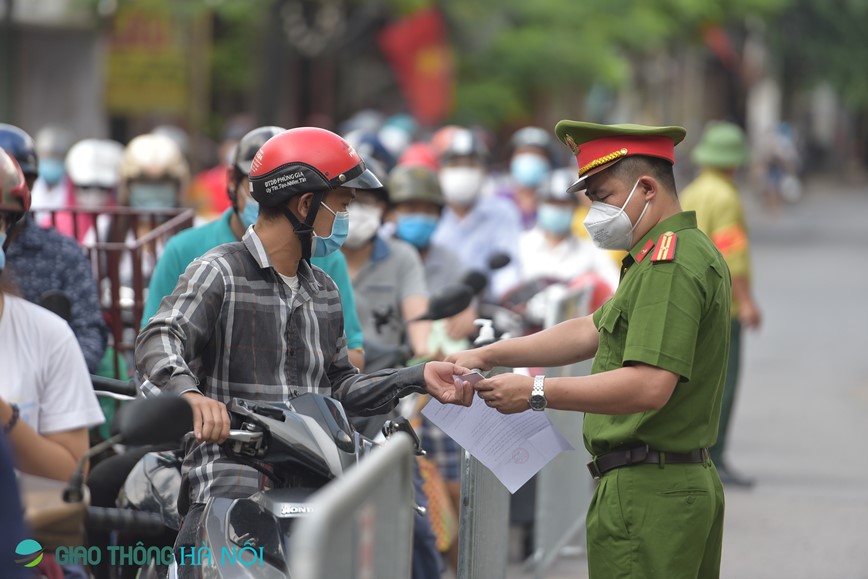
612,327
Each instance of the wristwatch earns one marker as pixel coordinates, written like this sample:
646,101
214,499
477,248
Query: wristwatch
537,396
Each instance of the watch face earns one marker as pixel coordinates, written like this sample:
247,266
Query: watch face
537,402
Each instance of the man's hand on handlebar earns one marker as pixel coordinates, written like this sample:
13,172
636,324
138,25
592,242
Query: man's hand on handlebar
210,417
441,384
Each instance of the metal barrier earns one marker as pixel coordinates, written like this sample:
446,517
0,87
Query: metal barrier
362,523
483,532
564,487
123,245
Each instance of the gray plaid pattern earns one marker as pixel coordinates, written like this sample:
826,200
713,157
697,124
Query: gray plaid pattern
232,328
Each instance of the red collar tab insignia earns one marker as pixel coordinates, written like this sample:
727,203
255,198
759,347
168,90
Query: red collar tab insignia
643,253
665,248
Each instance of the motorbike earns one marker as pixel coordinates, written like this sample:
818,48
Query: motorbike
305,442
300,445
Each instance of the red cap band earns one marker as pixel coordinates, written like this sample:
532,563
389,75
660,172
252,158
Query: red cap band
598,152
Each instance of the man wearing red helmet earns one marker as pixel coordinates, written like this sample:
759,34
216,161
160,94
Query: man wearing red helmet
254,319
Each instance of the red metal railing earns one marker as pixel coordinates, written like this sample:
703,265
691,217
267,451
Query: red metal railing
123,245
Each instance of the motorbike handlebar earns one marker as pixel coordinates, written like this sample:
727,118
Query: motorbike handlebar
113,519
113,386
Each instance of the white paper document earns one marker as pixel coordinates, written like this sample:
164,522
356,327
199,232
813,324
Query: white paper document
512,446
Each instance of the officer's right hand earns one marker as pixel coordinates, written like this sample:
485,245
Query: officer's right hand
210,418
473,359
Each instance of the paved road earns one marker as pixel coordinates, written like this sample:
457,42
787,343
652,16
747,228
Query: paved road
801,422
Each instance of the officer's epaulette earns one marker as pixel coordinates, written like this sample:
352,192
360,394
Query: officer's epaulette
665,250
643,253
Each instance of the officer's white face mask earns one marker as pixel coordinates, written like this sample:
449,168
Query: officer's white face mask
610,226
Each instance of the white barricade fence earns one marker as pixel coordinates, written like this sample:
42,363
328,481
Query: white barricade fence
483,532
564,487
361,525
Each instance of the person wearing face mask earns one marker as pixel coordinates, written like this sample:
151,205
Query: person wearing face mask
652,402
388,277
416,206
41,260
254,319
550,250
47,402
52,189
475,227
189,244
529,166
154,173
719,213
93,167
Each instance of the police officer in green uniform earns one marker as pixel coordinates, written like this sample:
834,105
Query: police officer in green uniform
652,402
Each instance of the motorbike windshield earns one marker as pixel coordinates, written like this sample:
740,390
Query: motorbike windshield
250,525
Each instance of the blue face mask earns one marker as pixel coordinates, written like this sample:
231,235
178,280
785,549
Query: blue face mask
529,170
416,229
554,219
250,213
2,251
51,171
153,195
323,246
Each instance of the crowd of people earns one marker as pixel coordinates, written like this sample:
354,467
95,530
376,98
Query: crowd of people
414,212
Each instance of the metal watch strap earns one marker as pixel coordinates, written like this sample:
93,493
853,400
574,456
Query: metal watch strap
538,385
537,395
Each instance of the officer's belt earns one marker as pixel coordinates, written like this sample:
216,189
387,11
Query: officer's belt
643,455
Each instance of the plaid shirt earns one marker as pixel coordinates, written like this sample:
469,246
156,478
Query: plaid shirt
232,328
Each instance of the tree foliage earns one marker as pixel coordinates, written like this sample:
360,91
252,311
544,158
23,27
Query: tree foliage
824,40
511,51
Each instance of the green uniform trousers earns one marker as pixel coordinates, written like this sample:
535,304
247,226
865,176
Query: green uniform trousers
652,521
733,367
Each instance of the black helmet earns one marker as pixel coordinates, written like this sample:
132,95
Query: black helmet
245,150
21,146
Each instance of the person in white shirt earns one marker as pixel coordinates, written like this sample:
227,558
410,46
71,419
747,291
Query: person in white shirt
550,250
47,401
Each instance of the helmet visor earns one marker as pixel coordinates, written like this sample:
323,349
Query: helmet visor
367,180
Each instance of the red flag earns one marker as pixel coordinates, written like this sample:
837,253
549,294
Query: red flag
418,50
718,42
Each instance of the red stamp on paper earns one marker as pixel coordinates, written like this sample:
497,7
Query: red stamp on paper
520,456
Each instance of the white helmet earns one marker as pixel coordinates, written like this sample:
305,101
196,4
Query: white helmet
53,141
95,163
154,158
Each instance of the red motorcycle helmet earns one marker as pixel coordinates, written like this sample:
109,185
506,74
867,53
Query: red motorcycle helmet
14,194
303,160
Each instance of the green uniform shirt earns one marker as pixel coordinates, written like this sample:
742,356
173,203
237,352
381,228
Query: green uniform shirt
673,315
189,244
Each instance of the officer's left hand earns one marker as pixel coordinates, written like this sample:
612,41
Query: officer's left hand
441,384
507,393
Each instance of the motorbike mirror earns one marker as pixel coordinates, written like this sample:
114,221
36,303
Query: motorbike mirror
449,301
157,420
498,261
475,280
56,301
